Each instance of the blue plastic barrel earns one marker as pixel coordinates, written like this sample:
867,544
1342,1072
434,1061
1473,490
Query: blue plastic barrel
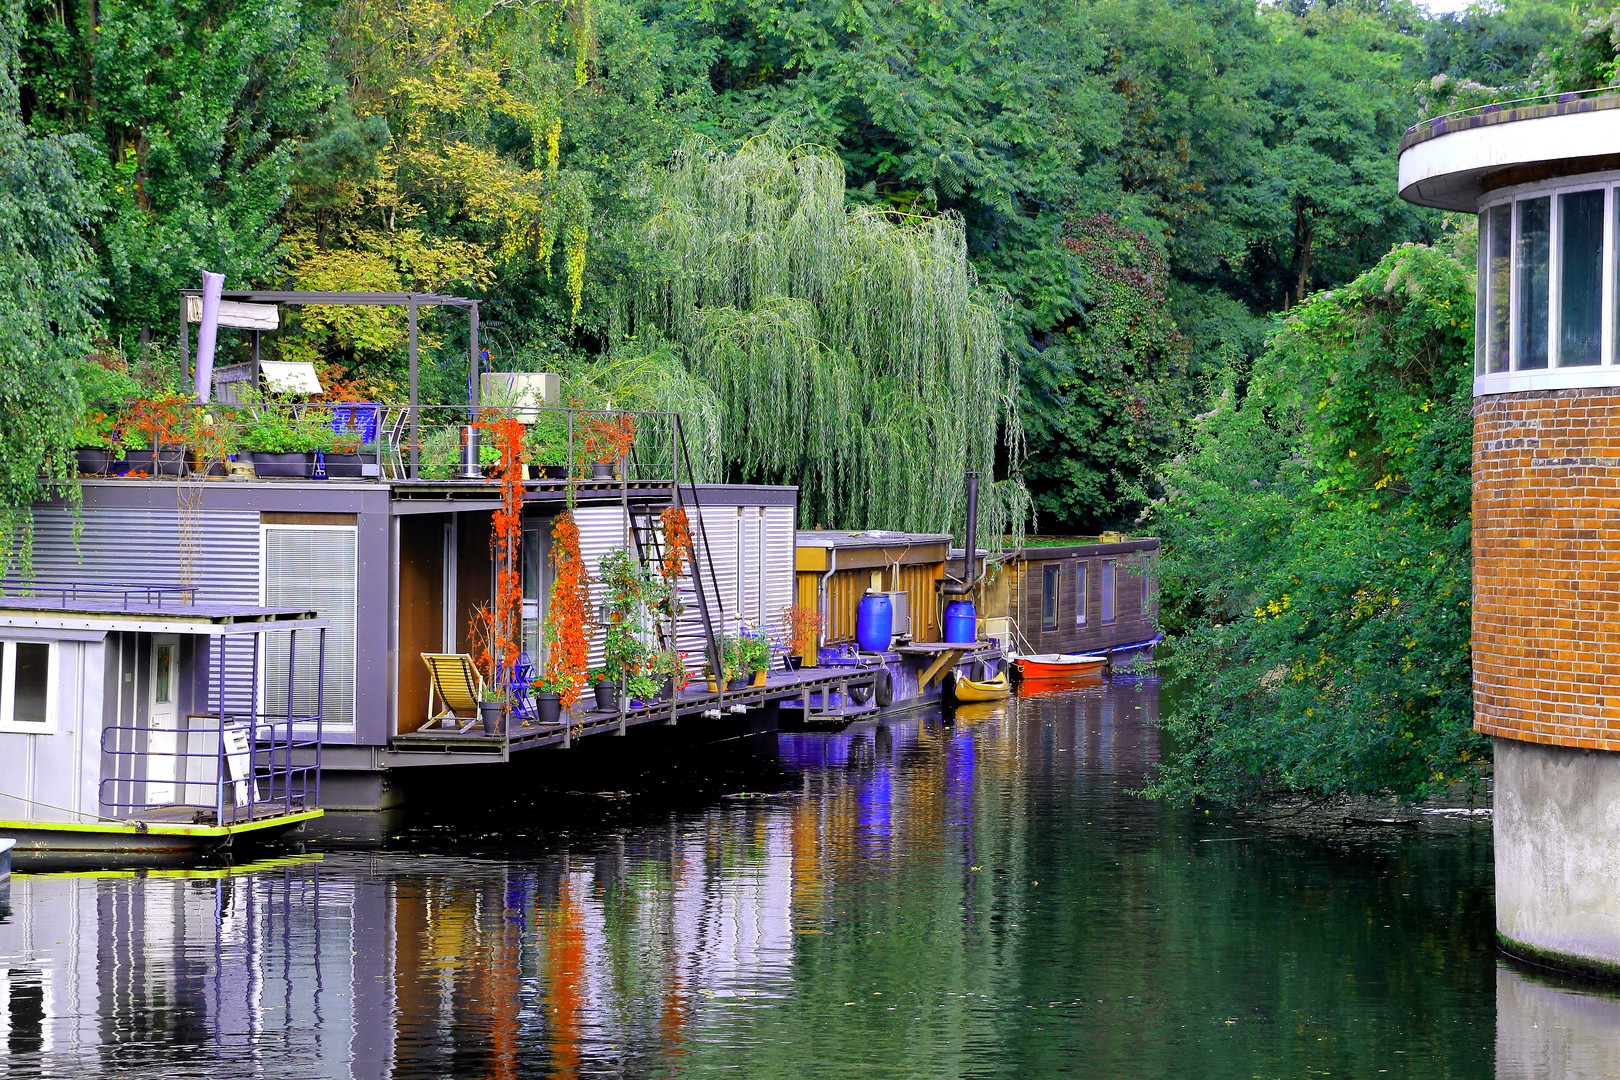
961,623
874,623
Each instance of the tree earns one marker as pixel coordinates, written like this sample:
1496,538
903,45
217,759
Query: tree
48,294
852,349
1317,553
188,113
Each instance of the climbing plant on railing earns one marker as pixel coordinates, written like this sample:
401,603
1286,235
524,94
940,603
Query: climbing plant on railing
506,537
568,617
609,436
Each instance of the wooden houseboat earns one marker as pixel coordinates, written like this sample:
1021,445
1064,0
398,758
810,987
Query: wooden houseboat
1094,595
143,721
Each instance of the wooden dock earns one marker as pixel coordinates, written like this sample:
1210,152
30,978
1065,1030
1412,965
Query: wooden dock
696,704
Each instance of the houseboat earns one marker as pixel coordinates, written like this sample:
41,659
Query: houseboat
142,721
1092,596
394,551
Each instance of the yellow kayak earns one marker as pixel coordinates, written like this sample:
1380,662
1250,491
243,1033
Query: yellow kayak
964,691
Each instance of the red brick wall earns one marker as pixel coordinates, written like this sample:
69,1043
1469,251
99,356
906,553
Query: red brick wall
1546,540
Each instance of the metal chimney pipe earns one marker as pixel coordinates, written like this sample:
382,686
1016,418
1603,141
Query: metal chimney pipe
970,541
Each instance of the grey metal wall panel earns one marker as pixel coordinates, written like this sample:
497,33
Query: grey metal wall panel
601,529
779,554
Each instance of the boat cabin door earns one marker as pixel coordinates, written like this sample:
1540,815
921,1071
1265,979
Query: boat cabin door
162,723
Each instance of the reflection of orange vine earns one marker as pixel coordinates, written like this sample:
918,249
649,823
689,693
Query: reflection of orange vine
506,538
677,543
569,655
609,436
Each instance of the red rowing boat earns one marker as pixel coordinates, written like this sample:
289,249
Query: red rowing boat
1047,667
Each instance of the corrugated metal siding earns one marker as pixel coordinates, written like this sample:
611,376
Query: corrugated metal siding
142,544
601,529
779,585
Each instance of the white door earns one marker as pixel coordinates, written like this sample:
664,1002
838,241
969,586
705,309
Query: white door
162,721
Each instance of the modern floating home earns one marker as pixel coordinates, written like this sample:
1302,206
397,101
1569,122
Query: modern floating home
1543,176
393,552
141,721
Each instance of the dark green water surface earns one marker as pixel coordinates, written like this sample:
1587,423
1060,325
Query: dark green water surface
915,899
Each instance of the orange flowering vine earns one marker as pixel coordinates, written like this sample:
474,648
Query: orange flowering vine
569,612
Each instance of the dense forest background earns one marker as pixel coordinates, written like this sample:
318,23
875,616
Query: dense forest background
1122,238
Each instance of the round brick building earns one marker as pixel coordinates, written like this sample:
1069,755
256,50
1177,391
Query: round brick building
1544,180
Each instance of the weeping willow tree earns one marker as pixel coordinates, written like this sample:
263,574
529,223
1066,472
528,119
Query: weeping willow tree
852,349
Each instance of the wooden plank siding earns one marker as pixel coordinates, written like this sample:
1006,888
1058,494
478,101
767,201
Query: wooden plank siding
1133,573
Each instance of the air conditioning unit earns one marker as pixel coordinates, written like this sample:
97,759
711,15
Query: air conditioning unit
900,602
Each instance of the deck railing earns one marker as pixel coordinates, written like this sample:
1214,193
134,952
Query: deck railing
235,765
123,593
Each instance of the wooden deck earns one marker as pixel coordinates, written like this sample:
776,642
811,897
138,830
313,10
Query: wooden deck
688,706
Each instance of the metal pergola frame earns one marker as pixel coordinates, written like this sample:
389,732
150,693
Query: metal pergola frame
409,301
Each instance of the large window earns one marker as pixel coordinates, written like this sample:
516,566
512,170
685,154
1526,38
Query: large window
1110,583
1051,574
1499,223
1082,592
1580,278
1548,274
311,568
26,698
1532,273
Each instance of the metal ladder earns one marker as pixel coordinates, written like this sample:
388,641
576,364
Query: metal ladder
642,517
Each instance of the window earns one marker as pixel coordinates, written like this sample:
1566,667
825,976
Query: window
1109,583
1049,596
27,698
1580,278
163,675
311,567
1147,586
1499,239
1082,593
1530,271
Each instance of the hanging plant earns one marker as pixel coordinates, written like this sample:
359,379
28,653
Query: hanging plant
677,544
506,538
568,618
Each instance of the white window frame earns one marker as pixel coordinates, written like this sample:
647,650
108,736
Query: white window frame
328,726
8,685
1556,375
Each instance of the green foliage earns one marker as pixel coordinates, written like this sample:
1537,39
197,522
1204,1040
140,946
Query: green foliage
853,350
49,289
1317,548
107,390
280,428
187,111
1109,400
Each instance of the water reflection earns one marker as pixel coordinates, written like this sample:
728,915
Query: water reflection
918,898
1554,1029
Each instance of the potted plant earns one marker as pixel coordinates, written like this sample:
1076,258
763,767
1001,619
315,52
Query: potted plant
107,390
208,435
157,423
350,452
668,669
492,708
546,443
754,654
801,626
733,658
548,695
608,438
282,443
605,687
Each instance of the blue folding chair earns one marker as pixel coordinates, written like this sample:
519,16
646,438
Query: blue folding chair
520,695
357,416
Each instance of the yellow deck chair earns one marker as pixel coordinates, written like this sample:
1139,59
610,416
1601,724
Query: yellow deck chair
457,685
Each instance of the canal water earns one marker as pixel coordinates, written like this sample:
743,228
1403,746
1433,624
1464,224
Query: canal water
921,898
